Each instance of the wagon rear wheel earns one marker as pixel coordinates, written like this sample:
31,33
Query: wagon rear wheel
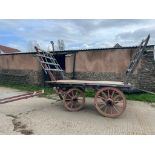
74,99
110,102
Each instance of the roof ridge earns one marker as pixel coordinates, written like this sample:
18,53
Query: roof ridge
7,49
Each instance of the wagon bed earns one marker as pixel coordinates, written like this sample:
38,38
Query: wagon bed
88,83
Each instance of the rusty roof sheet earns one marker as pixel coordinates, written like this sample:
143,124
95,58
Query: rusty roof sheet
8,50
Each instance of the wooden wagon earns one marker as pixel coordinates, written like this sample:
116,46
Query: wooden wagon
109,99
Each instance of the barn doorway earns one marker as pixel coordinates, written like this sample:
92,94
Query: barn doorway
61,60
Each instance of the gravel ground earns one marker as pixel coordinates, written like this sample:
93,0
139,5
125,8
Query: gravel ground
44,116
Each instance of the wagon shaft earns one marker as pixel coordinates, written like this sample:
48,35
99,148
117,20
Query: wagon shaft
20,97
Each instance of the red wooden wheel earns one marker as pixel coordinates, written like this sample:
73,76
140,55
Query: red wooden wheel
74,99
110,102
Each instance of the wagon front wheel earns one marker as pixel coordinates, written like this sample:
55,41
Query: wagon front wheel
110,102
74,99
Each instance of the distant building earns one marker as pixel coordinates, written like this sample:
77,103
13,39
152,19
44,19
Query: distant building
8,50
117,46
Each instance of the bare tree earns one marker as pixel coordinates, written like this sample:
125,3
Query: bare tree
31,45
61,45
52,43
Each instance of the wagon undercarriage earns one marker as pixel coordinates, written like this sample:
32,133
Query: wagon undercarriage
109,100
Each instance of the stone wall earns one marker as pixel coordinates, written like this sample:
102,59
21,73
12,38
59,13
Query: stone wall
25,69
146,74
22,77
143,77
104,76
21,68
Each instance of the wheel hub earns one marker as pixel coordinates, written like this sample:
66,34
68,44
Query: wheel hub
74,99
109,102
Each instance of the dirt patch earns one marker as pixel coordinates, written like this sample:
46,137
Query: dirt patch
19,126
48,116
27,132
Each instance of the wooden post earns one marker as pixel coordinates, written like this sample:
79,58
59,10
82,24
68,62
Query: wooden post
74,63
154,53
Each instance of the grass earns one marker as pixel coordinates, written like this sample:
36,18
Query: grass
26,87
145,97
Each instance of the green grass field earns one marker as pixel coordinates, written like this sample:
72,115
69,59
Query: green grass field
145,97
26,87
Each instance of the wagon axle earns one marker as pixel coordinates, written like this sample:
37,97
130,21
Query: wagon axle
109,102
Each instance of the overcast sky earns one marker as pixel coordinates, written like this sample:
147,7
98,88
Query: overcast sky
77,34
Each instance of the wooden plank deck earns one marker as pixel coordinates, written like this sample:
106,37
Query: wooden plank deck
117,83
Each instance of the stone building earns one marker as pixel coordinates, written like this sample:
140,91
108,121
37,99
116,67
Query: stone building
90,64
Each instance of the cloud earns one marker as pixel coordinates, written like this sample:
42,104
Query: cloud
82,33
137,35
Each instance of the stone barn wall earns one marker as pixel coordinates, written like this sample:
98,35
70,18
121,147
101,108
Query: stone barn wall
20,68
112,65
107,64
146,74
100,65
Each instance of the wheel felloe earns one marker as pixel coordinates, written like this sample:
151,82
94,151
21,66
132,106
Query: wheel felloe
74,99
110,102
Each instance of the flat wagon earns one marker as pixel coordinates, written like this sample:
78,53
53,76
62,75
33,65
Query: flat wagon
109,99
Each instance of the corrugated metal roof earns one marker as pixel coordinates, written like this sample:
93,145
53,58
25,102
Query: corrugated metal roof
81,50
97,49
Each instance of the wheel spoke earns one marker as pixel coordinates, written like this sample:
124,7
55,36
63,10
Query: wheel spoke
113,92
100,102
102,98
116,109
110,110
102,106
119,106
118,102
77,94
72,93
68,102
69,95
68,99
71,105
116,97
105,95
78,103
105,110
108,93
